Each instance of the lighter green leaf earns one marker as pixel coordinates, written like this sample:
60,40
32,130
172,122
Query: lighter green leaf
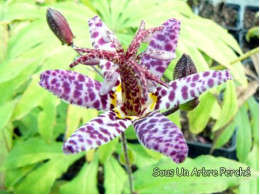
130,133
216,111
6,111
15,86
15,13
85,182
41,179
31,98
47,117
244,135
142,158
74,116
6,139
254,109
106,150
10,70
30,152
13,176
131,157
251,187
175,118
146,183
4,37
229,106
115,177
225,135
199,117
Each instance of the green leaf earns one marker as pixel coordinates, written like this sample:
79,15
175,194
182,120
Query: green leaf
254,109
6,111
15,13
216,111
203,33
85,182
30,152
74,116
146,183
16,85
251,187
142,158
175,118
43,177
199,117
244,136
47,117
13,176
131,157
196,56
229,106
130,133
115,177
6,141
30,99
4,37
225,135
106,150
28,125
252,33
9,69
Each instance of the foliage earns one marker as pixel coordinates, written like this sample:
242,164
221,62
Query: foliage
32,121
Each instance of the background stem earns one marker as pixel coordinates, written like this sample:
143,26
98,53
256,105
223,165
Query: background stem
127,165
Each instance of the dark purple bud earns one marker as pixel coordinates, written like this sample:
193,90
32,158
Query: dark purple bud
185,67
59,26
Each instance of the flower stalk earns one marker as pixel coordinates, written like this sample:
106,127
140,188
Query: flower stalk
127,163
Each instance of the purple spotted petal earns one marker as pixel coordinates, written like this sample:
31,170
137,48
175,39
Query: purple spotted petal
103,38
187,88
96,132
109,82
158,133
163,41
76,89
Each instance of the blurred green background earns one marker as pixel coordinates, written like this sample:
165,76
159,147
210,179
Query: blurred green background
33,123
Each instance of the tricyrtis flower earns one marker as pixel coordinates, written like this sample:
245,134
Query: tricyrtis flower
132,92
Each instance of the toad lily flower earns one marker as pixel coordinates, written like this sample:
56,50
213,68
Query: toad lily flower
132,92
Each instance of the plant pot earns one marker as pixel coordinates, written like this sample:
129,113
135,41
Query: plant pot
250,20
197,149
226,15
230,17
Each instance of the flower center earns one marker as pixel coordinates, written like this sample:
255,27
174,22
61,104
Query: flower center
131,91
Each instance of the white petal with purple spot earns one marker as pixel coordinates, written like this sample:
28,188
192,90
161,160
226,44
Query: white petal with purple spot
158,133
165,40
76,89
96,132
185,89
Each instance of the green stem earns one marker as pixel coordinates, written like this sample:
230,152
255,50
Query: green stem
239,59
245,56
128,166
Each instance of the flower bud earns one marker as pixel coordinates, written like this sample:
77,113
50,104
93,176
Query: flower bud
59,26
185,67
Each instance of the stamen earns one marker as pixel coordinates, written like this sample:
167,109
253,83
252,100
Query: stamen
140,36
160,55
